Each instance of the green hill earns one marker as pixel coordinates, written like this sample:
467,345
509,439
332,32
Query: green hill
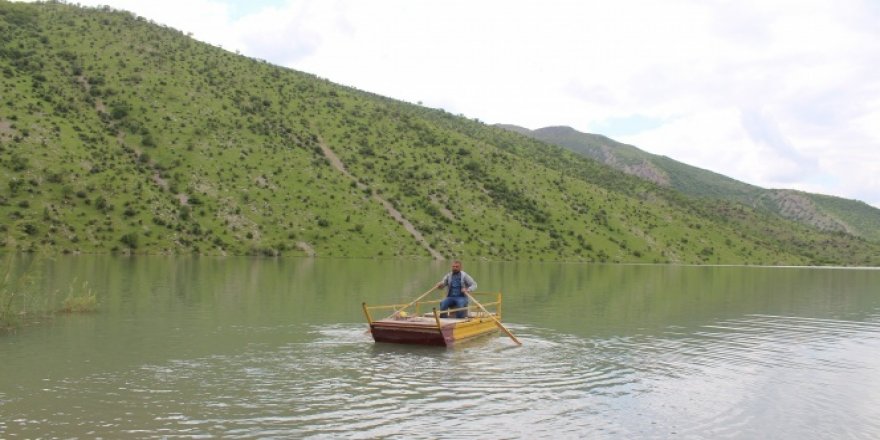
119,135
827,213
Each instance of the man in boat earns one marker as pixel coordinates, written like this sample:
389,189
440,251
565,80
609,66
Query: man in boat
458,283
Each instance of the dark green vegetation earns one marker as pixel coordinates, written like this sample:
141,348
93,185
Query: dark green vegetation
118,135
827,213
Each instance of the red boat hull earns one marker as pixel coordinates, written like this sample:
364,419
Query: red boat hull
427,336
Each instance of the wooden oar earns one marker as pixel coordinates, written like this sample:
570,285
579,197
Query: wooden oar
497,322
411,303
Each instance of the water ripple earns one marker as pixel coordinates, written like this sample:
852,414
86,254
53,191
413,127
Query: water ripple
734,378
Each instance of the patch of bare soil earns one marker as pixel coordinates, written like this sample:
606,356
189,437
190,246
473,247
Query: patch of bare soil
305,247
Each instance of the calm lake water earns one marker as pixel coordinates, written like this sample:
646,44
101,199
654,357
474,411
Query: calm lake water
244,347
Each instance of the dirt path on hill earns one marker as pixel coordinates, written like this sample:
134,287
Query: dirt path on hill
392,211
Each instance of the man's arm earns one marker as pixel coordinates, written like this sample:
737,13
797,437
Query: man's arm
471,284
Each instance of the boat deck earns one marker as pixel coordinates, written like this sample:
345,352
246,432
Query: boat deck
428,320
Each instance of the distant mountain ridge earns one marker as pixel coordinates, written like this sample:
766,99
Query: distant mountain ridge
827,213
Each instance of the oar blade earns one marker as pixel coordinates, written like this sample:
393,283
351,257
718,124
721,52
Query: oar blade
497,322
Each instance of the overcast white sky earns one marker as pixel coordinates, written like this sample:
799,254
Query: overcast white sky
778,93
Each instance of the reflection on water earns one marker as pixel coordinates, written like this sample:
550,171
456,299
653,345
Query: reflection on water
276,349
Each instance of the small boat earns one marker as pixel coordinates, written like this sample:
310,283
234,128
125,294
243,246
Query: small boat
428,328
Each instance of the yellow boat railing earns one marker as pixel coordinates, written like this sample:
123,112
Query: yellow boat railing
415,309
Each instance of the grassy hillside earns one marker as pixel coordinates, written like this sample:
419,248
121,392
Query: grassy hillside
120,135
826,213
